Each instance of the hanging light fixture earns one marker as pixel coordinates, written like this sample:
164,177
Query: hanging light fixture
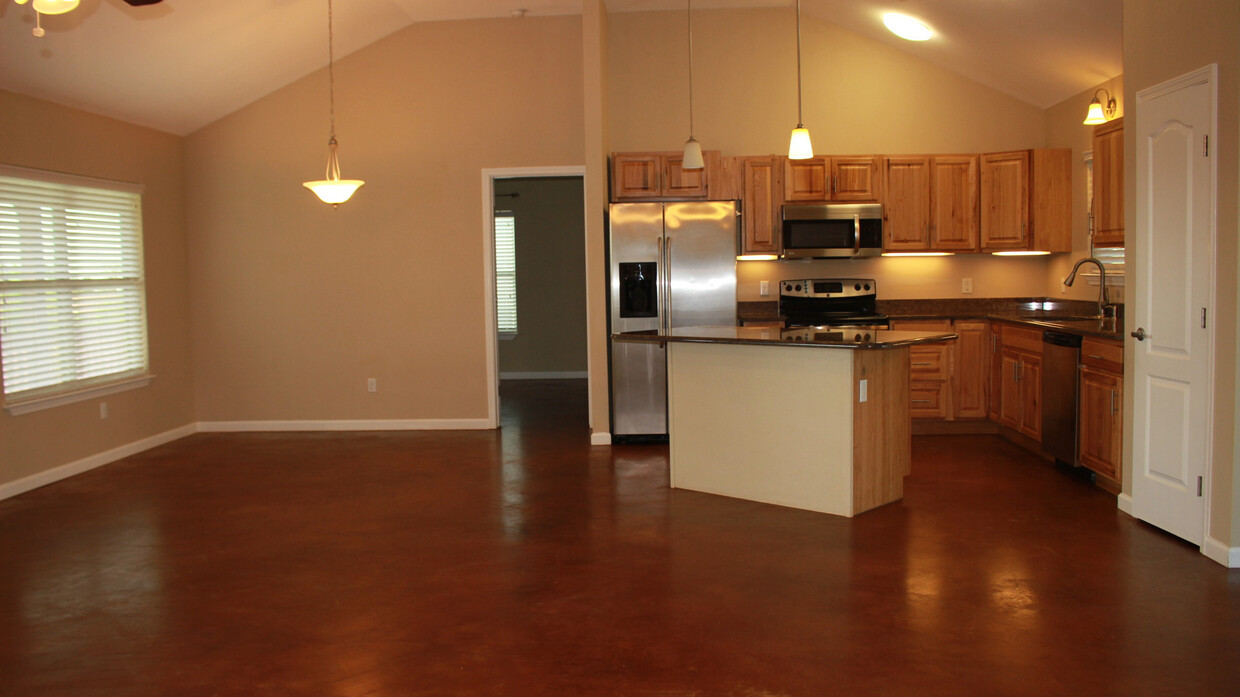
692,158
51,7
799,147
333,189
1098,113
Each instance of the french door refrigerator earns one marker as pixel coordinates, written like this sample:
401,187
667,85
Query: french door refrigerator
671,265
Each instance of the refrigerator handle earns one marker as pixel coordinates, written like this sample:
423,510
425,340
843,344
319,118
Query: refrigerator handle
661,286
667,291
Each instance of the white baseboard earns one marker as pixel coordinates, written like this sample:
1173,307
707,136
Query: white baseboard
600,438
553,375
1221,553
1124,502
86,464
360,425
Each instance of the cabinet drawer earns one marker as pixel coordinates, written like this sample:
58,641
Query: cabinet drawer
928,362
927,400
1022,338
1099,353
921,325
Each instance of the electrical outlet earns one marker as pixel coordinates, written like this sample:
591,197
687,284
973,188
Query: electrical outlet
372,385
864,391
103,410
966,285
764,288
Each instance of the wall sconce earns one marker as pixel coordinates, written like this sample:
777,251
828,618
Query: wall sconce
1098,113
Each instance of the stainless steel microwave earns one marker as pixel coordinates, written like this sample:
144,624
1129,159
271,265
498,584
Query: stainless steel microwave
832,230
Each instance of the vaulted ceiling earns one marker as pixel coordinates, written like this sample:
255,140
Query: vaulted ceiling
181,64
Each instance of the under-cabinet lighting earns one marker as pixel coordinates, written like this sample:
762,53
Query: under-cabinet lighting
1021,253
919,254
757,257
907,27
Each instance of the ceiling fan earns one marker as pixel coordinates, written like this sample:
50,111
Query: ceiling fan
59,7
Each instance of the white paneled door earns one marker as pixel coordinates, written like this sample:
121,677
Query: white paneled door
1172,320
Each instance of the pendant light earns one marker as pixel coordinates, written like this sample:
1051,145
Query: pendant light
333,189
799,147
692,158
52,7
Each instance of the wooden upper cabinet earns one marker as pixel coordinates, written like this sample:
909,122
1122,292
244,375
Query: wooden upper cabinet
906,203
954,225
761,184
1026,200
1108,212
1005,200
843,178
654,175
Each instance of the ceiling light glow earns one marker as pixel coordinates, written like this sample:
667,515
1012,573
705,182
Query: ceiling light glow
906,27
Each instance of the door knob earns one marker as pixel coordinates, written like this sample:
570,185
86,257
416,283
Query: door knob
1139,335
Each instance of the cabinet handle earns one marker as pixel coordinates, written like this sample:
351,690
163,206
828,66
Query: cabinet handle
1096,358
922,364
1112,402
921,401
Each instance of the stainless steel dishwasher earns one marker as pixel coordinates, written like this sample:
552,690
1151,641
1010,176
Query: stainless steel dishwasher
1061,354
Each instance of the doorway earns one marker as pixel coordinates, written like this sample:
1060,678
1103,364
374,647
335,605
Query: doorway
544,332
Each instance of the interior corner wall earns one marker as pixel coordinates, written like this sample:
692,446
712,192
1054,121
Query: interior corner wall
296,304
860,97
1163,40
43,135
1065,130
597,143
551,276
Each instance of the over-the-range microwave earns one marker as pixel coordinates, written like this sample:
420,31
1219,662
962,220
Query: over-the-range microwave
832,230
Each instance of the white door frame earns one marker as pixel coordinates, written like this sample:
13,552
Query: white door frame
491,328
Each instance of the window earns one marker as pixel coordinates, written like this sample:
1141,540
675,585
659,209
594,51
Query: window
72,292
506,273
1111,257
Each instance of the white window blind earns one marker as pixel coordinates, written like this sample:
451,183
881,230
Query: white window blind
506,273
72,291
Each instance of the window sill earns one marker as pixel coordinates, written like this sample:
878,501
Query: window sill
507,337
1113,279
56,400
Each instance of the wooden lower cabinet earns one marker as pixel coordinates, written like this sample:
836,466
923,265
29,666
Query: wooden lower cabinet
1020,380
1100,422
949,380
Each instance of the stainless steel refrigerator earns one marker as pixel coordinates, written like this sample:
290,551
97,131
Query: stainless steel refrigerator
671,265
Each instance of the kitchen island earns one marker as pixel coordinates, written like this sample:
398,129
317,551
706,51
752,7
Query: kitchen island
814,418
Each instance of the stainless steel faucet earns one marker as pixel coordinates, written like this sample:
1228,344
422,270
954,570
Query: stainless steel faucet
1105,308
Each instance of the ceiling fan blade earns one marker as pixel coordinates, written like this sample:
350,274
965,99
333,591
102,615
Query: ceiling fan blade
139,3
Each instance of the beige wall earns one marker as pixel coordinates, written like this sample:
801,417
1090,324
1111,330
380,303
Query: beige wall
1163,40
596,78
860,97
296,304
46,136
551,275
1065,130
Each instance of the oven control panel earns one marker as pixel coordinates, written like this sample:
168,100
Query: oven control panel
828,288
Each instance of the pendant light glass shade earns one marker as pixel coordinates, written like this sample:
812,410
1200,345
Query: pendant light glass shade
332,189
799,147
54,7
693,155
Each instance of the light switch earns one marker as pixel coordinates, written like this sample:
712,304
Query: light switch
764,288
966,285
864,391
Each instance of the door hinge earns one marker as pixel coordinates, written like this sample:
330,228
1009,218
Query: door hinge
1199,486
1205,145
1203,318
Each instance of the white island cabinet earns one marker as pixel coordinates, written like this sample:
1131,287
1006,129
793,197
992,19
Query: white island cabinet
815,418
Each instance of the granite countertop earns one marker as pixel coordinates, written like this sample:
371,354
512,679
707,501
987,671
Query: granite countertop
828,337
1072,316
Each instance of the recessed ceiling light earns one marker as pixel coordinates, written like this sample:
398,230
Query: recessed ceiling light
906,27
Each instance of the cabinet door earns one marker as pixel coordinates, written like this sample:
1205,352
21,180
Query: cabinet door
1005,200
855,179
972,371
1109,184
1101,421
1030,376
906,204
1010,398
807,180
760,203
682,183
954,225
636,176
